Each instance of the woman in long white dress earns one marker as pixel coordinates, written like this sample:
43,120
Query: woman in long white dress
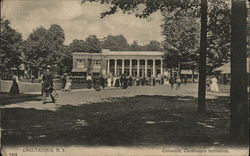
68,84
109,80
214,86
114,81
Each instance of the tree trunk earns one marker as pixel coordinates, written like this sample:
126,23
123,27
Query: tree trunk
239,100
202,60
193,75
179,69
171,71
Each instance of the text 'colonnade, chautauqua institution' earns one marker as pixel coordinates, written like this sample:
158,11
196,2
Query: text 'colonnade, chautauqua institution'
130,63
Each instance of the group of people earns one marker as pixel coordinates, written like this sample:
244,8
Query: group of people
98,81
178,81
123,81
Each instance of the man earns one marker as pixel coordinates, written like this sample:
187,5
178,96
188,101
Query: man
47,84
130,80
96,81
102,82
171,81
178,83
185,80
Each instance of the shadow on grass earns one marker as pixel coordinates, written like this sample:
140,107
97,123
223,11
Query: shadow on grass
134,121
6,99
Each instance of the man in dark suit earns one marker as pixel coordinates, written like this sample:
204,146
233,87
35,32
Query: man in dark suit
47,84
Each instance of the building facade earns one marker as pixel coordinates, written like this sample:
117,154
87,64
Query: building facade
130,63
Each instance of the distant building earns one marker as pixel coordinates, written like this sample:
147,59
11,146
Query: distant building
130,63
224,72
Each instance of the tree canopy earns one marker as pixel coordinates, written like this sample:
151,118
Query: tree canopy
11,40
181,31
147,7
45,47
115,43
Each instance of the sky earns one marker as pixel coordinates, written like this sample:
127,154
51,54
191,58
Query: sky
79,21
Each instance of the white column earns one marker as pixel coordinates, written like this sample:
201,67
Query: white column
123,66
161,67
130,67
138,68
108,67
154,68
115,66
146,68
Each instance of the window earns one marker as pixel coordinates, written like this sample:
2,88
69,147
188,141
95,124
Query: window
80,63
97,62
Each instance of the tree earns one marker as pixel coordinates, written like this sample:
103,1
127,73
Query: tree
37,49
10,51
66,63
239,97
78,46
55,36
152,46
248,34
218,34
180,30
93,44
45,47
135,46
202,59
115,43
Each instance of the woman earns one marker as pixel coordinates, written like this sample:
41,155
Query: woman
68,84
14,90
214,86
89,81
109,80
114,81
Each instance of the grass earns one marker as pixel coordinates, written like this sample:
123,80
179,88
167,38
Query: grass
141,120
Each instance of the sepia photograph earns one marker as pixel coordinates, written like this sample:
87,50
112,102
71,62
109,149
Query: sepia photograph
124,77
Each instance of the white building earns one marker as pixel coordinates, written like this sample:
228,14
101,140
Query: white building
130,63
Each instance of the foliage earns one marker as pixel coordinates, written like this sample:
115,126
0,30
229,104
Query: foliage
218,35
78,46
153,46
147,7
115,43
45,47
93,44
181,32
135,46
10,51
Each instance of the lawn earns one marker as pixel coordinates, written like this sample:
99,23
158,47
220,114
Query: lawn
141,120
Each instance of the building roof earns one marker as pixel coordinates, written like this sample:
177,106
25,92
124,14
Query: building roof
106,52
133,53
226,68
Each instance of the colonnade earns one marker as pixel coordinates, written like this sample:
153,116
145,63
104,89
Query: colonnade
138,66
